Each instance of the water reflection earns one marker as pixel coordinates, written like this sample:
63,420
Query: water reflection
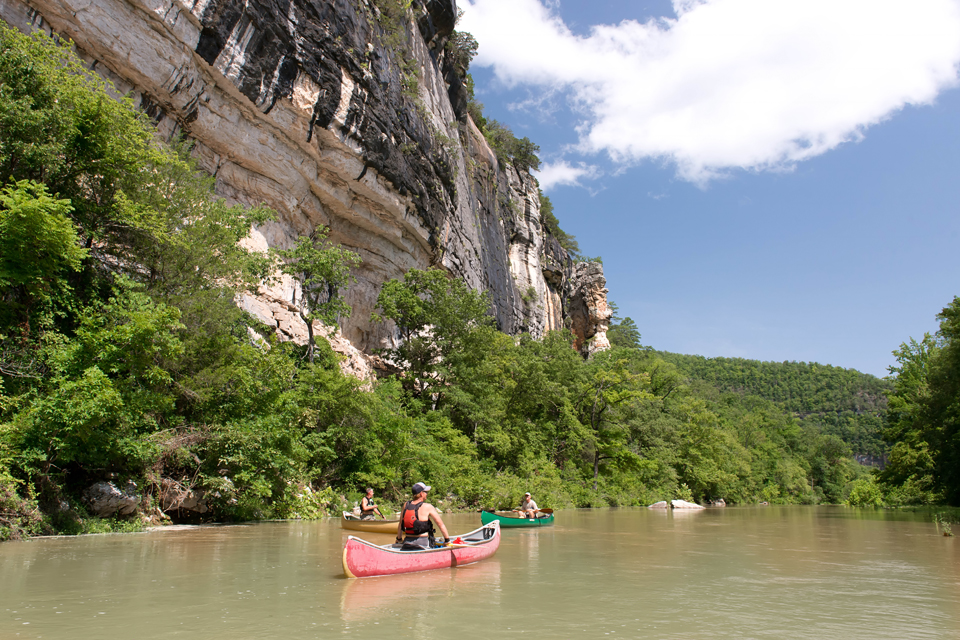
364,598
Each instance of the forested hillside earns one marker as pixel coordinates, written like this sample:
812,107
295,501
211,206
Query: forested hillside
832,400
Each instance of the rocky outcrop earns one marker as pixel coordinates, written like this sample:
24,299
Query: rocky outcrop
104,499
588,308
340,113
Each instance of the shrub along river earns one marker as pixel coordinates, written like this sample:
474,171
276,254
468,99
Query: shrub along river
764,572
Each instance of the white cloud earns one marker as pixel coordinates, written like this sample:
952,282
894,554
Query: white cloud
563,173
752,84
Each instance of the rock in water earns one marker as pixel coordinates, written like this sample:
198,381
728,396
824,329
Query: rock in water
659,505
683,504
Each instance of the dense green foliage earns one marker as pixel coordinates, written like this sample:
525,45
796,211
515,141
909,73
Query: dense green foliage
119,338
924,422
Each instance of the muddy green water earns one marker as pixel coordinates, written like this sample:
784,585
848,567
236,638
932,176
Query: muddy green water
800,572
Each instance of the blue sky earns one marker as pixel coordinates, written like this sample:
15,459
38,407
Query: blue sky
785,196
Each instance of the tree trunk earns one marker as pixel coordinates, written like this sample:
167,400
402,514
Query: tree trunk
309,338
596,469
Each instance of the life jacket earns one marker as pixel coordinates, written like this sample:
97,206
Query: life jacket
365,505
412,524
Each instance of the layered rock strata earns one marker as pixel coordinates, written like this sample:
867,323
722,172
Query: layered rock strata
341,113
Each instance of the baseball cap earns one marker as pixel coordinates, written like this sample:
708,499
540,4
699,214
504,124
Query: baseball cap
527,493
417,488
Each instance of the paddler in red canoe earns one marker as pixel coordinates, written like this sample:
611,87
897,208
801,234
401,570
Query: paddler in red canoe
415,530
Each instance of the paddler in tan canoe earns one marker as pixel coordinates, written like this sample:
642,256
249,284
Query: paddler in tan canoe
368,508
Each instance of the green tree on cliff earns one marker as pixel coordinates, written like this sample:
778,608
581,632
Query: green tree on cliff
322,269
549,221
623,332
438,319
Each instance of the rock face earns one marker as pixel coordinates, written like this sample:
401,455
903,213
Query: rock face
340,113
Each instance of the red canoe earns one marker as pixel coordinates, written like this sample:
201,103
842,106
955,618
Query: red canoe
362,559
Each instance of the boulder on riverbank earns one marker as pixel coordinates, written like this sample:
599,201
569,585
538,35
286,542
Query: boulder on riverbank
659,505
683,504
104,499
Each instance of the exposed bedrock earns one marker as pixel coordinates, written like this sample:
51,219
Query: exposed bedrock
303,105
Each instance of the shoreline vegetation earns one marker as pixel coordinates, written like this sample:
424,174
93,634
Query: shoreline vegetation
942,518
128,372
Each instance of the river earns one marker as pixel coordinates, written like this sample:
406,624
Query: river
757,572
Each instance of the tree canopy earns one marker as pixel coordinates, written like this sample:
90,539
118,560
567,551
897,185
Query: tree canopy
924,422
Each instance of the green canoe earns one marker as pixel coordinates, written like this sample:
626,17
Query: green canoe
513,521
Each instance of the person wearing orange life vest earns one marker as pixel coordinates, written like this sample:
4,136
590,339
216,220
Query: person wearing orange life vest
415,530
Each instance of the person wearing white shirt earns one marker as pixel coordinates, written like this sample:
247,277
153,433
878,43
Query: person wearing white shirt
528,507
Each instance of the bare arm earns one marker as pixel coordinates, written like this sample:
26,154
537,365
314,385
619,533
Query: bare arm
435,515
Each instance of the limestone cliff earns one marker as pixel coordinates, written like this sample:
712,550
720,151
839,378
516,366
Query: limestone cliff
337,112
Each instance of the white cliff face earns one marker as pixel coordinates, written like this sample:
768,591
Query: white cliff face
298,104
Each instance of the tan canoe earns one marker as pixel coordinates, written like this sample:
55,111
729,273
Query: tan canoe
354,523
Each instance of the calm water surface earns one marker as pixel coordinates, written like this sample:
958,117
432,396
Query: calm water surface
799,572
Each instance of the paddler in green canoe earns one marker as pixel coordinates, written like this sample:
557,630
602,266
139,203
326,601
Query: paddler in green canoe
528,508
415,530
